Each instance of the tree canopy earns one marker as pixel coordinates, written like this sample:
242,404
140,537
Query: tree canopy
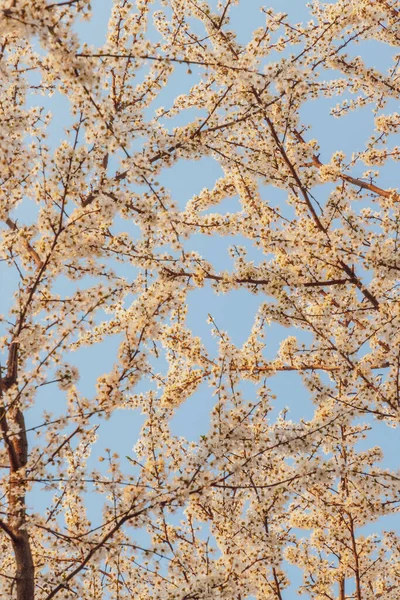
99,259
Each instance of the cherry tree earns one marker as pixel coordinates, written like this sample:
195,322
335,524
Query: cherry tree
95,248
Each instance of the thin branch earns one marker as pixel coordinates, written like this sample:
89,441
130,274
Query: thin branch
7,529
34,255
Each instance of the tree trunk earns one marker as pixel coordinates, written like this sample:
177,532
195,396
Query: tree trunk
342,589
25,571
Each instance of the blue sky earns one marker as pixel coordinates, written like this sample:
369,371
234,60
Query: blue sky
233,312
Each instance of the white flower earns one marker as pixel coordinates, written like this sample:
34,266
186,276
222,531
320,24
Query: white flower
67,375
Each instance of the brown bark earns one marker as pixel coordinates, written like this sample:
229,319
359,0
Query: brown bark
25,569
342,589
17,448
